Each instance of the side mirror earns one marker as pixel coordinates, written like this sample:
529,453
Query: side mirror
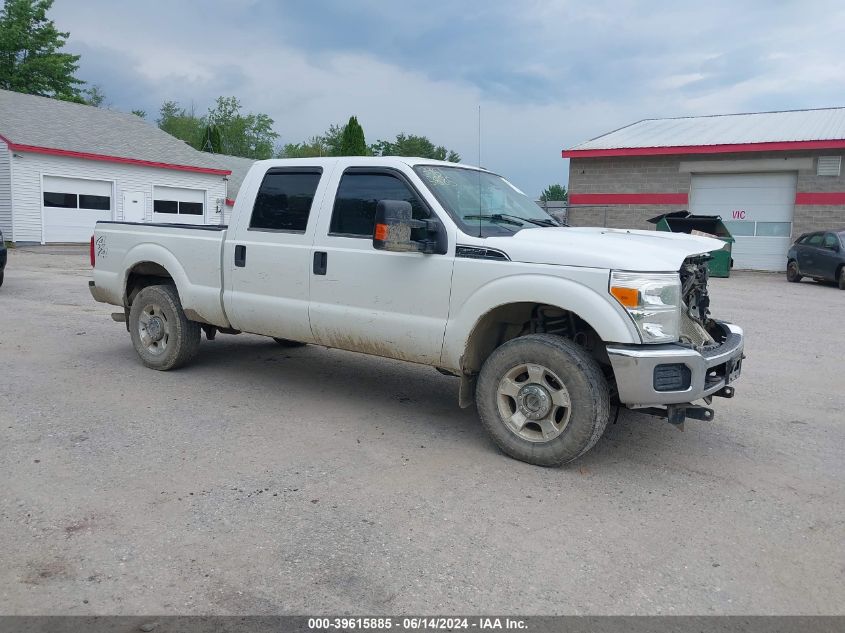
393,226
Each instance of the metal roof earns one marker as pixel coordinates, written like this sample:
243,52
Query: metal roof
826,124
32,123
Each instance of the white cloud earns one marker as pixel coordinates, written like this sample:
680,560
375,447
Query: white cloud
568,71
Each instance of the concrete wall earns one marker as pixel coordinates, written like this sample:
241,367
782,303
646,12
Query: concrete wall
28,169
5,191
671,174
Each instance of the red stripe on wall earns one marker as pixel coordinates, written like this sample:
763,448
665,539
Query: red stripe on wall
828,197
115,159
704,149
628,198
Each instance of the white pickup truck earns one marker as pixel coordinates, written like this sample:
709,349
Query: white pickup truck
446,265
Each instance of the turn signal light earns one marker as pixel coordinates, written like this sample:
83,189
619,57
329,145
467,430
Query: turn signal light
381,232
628,297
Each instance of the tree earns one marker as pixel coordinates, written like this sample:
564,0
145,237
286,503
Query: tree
248,135
31,60
413,145
178,122
352,142
212,139
313,148
554,192
94,96
140,113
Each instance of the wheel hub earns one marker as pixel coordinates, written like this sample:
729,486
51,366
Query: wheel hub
534,401
155,329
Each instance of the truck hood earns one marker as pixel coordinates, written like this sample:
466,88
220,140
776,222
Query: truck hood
619,249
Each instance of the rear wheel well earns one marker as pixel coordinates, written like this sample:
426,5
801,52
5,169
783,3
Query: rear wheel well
144,274
509,321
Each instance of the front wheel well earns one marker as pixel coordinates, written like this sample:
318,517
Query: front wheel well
512,320
144,274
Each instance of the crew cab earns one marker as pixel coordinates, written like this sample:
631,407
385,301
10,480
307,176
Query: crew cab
546,326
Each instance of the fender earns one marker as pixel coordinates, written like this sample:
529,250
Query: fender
199,293
603,314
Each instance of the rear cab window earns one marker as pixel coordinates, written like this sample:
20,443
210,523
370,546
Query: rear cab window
284,199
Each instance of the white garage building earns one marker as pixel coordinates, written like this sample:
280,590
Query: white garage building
771,176
65,166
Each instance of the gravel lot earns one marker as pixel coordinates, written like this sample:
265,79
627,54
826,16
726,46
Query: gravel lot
273,481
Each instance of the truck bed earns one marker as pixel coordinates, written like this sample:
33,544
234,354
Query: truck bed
190,254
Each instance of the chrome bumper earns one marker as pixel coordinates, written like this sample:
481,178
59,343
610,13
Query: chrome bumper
633,367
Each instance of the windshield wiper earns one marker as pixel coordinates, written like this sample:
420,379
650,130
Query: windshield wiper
516,220
497,217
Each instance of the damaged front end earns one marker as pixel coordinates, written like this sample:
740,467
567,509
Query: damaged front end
665,380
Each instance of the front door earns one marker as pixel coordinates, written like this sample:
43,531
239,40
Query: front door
133,206
366,300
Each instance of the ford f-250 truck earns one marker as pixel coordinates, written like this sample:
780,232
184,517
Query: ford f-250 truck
446,265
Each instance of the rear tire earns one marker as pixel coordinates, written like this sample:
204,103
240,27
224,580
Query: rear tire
543,399
288,343
792,272
161,333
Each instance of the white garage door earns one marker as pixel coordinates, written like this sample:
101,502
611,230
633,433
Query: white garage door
756,208
71,207
178,205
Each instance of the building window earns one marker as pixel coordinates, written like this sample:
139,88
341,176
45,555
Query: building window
179,204
97,203
284,201
59,200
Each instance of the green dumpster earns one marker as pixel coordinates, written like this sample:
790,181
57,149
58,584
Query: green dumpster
684,222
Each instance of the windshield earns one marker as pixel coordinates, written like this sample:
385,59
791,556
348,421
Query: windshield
482,203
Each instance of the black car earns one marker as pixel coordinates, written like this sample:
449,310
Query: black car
818,255
2,257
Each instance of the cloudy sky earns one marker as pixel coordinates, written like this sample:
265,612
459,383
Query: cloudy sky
547,74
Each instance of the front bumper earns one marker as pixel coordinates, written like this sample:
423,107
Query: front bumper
710,372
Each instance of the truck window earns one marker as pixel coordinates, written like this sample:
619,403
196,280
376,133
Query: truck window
357,196
284,200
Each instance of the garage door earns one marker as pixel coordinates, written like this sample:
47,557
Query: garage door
756,208
71,207
178,205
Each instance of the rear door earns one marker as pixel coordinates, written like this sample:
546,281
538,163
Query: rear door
362,299
268,257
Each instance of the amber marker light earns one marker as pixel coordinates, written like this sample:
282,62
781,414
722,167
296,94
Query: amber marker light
381,232
628,297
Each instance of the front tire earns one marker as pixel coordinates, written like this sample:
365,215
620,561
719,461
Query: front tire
792,273
161,333
543,399
841,278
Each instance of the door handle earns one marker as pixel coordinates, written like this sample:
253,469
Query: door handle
240,255
321,260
